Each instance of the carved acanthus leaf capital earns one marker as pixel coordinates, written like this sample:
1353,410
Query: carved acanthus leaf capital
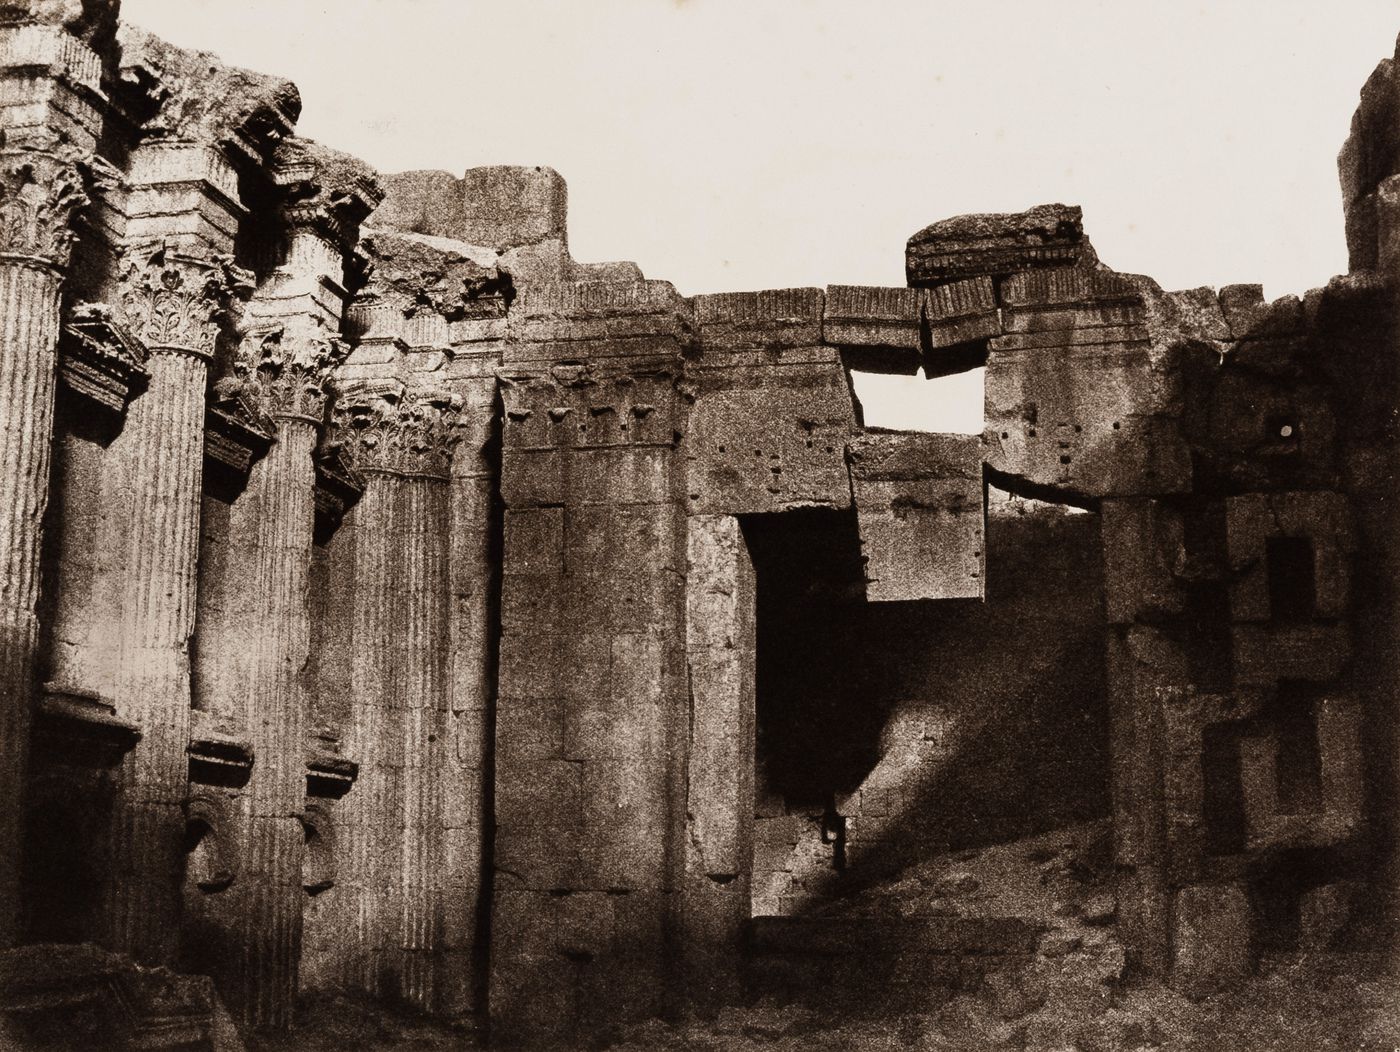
41,189
174,302
386,430
287,371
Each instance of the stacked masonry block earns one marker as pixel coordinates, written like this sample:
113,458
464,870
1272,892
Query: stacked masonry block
773,410
591,720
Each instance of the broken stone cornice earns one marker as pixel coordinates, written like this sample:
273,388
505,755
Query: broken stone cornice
996,244
191,96
325,189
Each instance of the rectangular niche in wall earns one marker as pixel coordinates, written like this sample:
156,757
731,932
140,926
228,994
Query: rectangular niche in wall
1292,585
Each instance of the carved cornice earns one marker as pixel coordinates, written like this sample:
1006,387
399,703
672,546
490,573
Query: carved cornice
385,430
338,486
99,359
236,434
41,189
174,302
286,372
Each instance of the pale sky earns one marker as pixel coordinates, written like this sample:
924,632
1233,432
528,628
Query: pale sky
746,144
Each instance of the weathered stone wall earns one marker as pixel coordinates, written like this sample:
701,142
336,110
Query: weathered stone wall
393,604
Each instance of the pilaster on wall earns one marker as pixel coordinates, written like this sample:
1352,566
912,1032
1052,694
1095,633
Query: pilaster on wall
591,718
721,654
474,603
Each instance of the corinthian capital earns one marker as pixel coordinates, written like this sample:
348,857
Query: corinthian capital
286,372
385,430
40,190
174,302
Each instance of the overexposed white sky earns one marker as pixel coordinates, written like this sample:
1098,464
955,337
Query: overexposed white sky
744,144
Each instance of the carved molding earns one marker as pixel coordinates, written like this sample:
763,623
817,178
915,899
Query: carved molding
236,432
99,359
40,192
385,430
174,302
338,487
286,373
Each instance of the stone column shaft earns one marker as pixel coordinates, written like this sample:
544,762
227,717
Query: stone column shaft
371,523
28,342
394,822
172,302
40,188
164,437
272,523
422,577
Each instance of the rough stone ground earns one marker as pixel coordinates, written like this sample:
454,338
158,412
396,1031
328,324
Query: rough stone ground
1072,998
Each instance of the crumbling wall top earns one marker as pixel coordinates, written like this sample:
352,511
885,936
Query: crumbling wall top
192,96
500,207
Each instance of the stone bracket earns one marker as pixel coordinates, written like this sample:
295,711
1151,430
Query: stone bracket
236,435
82,721
329,775
219,759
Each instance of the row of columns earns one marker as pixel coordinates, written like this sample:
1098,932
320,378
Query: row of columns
176,216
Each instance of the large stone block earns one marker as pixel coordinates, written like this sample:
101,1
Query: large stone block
1144,552
1317,652
997,244
534,541
499,207
1097,420
75,997
771,318
1213,938
539,813
959,313
768,436
920,512
877,327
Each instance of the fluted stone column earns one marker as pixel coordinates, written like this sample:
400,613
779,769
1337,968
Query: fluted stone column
283,366
172,302
284,371
39,189
402,443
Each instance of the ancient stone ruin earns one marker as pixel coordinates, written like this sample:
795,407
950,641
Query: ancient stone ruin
394,608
